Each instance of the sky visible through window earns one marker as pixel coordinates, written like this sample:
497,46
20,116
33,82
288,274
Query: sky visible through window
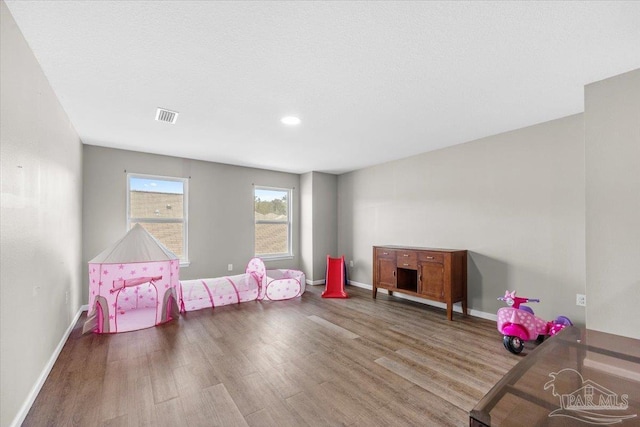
156,185
268,195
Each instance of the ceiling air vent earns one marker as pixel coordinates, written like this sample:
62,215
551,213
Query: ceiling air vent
166,116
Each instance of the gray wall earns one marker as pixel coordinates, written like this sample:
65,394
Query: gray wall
319,223
612,130
325,222
514,200
306,225
41,156
220,207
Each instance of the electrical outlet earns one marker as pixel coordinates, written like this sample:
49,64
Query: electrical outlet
230,267
351,263
581,300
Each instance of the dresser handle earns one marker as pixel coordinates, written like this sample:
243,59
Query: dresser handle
405,264
429,257
405,254
385,253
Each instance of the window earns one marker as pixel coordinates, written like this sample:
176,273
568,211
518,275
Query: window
159,204
272,213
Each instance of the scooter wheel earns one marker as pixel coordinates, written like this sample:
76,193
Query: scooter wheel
513,344
564,320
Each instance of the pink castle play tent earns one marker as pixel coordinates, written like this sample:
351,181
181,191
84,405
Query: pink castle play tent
132,285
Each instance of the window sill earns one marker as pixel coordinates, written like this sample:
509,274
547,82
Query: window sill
274,257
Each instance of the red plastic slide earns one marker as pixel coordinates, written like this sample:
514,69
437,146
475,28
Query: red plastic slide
336,279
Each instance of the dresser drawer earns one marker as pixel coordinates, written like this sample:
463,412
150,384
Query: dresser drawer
407,259
431,257
385,253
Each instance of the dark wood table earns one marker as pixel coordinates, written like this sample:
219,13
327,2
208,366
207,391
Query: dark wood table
576,378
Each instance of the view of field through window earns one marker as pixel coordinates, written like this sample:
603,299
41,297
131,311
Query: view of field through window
272,210
158,205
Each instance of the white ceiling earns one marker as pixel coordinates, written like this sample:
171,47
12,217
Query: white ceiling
371,81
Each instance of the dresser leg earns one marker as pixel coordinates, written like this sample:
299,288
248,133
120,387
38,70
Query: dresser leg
375,291
450,311
464,306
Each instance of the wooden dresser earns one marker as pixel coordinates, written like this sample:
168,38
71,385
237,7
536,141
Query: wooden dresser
435,274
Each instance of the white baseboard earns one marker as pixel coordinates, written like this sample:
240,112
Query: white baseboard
31,397
456,307
360,285
315,282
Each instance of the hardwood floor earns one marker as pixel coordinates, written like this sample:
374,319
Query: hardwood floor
308,361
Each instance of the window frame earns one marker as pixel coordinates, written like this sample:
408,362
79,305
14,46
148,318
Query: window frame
184,261
289,222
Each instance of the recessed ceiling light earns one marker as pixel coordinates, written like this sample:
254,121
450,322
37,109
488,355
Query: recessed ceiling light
290,120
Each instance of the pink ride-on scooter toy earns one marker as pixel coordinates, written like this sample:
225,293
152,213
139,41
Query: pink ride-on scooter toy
518,323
